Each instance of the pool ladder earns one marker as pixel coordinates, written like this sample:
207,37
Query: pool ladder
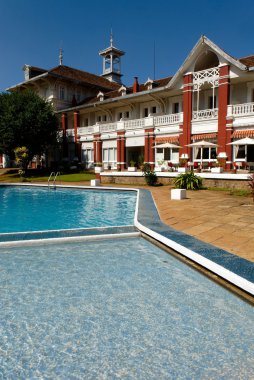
53,176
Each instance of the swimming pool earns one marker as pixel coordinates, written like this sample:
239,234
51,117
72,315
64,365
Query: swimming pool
117,309
27,208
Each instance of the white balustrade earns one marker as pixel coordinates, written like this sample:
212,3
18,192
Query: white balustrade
109,127
85,130
242,109
134,124
168,119
205,114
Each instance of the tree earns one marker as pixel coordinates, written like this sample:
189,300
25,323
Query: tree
21,158
26,120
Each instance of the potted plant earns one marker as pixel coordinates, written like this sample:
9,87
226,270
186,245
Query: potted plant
183,165
217,168
161,166
132,167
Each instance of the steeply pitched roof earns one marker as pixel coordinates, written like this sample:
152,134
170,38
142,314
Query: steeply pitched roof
129,90
83,76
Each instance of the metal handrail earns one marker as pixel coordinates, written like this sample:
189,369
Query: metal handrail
53,175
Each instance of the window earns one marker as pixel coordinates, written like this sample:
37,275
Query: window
120,116
127,114
86,122
109,156
240,152
212,102
145,112
166,154
99,119
62,93
87,156
175,107
154,109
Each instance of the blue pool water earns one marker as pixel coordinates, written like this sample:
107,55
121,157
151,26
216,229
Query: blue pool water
117,309
37,208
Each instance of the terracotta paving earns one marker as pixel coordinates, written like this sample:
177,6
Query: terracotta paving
215,217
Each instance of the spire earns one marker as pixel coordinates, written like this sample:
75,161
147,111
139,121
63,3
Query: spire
60,56
111,38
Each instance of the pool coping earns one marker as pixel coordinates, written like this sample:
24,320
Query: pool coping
232,268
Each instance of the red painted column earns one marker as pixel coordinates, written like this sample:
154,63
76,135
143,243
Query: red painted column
64,128
120,150
185,137
223,95
224,135
76,137
97,148
149,151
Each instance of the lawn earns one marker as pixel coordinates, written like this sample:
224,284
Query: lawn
72,177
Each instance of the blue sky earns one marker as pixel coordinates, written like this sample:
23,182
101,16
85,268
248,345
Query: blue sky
32,31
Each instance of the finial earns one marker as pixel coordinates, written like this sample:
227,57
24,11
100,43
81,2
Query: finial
111,38
60,56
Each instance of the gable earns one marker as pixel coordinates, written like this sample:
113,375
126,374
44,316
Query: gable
205,55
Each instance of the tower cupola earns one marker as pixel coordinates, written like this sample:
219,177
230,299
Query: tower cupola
112,62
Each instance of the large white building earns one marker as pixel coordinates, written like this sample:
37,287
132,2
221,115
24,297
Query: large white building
210,97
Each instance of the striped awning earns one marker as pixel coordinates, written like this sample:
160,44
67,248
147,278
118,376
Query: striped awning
169,139
243,133
204,136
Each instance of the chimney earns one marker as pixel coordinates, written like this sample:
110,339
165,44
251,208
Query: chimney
135,85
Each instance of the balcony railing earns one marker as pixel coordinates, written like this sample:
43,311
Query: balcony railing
244,109
134,124
109,127
205,114
150,121
168,119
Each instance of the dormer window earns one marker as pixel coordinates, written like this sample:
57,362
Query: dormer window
149,84
122,90
100,96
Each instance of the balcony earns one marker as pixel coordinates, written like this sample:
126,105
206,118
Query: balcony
127,125
242,114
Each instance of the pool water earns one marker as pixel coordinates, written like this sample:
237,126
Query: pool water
38,209
117,309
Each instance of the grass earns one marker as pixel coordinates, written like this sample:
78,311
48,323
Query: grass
72,177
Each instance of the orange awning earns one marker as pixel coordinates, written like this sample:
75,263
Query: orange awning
169,139
204,136
243,133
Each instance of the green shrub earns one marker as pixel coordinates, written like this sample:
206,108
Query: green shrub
150,175
188,181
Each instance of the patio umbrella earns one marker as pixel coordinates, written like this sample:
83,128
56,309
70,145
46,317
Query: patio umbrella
166,145
202,144
245,141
